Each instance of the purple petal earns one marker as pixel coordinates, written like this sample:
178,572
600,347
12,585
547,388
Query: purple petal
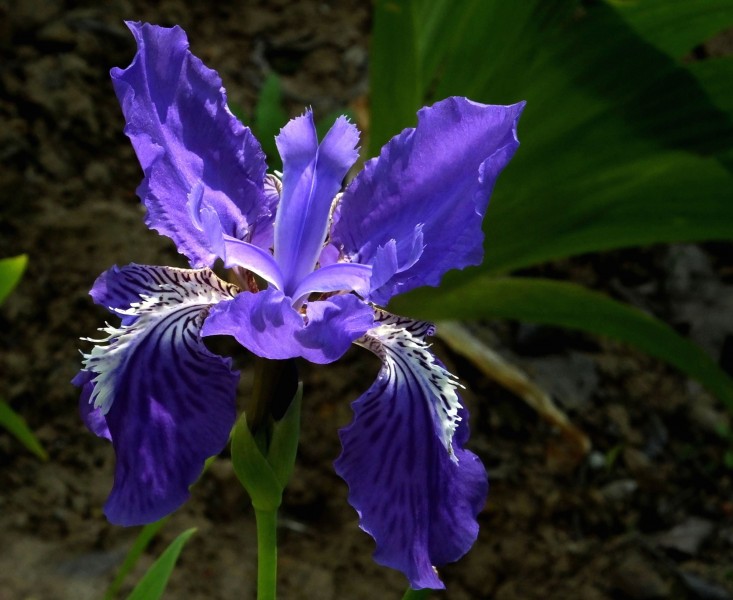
266,324
184,135
335,278
167,401
312,175
433,181
90,416
233,252
417,491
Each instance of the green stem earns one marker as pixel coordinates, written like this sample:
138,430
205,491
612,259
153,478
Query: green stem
266,554
411,594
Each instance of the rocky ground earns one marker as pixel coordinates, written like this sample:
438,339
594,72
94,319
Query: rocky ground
648,514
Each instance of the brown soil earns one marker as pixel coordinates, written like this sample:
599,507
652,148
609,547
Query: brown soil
647,515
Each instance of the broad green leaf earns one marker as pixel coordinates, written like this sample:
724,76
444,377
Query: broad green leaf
154,582
676,26
17,426
142,541
269,118
716,77
621,144
11,270
658,197
568,305
394,72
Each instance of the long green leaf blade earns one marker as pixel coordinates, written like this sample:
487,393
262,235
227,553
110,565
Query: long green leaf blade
569,305
142,541
396,89
11,270
154,582
17,426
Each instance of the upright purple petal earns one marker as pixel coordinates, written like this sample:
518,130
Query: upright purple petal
417,491
167,402
184,135
267,325
415,212
312,175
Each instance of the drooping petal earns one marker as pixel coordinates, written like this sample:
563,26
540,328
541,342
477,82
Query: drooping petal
90,416
167,401
433,183
266,324
184,135
416,489
312,175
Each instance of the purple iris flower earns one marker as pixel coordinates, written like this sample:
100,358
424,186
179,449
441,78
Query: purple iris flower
324,261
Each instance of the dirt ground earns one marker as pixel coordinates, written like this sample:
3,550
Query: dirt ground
648,514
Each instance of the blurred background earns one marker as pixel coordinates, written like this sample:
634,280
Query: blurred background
596,341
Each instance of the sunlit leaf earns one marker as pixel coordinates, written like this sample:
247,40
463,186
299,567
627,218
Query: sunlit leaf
621,144
155,580
11,270
568,305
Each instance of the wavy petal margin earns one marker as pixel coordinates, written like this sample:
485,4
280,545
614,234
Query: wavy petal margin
415,212
266,324
185,136
417,491
312,176
167,401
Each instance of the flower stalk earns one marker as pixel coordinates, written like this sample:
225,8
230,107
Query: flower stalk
263,456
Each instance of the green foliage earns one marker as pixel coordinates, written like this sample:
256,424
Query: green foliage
11,270
142,541
570,305
16,425
624,141
269,117
154,582
264,469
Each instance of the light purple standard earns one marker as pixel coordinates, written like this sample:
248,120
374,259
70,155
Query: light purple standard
167,403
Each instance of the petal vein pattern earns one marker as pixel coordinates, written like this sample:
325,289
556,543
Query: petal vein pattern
399,342
172,304
416,489
162,398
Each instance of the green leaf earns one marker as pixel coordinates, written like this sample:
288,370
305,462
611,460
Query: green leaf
269,118
676,26
11,270
284,443
569,305
154,582
396,88
142,541
253,469
621,144
17,426
649,198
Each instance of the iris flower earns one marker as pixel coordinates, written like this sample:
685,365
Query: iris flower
325,261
